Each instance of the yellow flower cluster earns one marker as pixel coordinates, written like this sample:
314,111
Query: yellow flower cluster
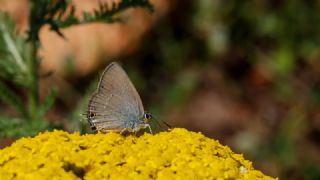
178,154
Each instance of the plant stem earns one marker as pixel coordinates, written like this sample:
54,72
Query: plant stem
33,89
33,68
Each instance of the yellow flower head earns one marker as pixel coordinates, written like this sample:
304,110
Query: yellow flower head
178,154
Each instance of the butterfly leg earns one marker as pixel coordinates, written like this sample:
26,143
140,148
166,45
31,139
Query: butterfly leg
124,131
127,131
148,126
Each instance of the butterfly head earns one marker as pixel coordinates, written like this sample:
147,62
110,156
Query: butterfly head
147,117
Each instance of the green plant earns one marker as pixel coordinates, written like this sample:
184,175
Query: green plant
19,63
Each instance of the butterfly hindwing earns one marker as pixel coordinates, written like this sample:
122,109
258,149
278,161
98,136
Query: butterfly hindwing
116,104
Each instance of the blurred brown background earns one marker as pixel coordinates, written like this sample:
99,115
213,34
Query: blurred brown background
246,73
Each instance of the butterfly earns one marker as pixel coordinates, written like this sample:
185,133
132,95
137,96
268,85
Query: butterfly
116,105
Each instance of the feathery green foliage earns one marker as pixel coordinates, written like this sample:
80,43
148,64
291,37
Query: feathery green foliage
19,63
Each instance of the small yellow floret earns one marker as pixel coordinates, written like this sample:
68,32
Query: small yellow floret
178,154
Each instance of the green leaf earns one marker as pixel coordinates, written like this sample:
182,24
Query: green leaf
12,65
60,14
104,13
16,127
8,96
9,40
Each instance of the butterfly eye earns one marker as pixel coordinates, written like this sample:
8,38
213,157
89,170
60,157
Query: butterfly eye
147,117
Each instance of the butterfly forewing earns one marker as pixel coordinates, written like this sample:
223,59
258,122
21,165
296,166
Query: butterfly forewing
116,104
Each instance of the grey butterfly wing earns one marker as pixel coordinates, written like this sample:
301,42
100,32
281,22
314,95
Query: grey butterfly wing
116,104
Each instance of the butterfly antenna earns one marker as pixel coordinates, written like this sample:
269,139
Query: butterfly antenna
161,127
156,119
168,125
